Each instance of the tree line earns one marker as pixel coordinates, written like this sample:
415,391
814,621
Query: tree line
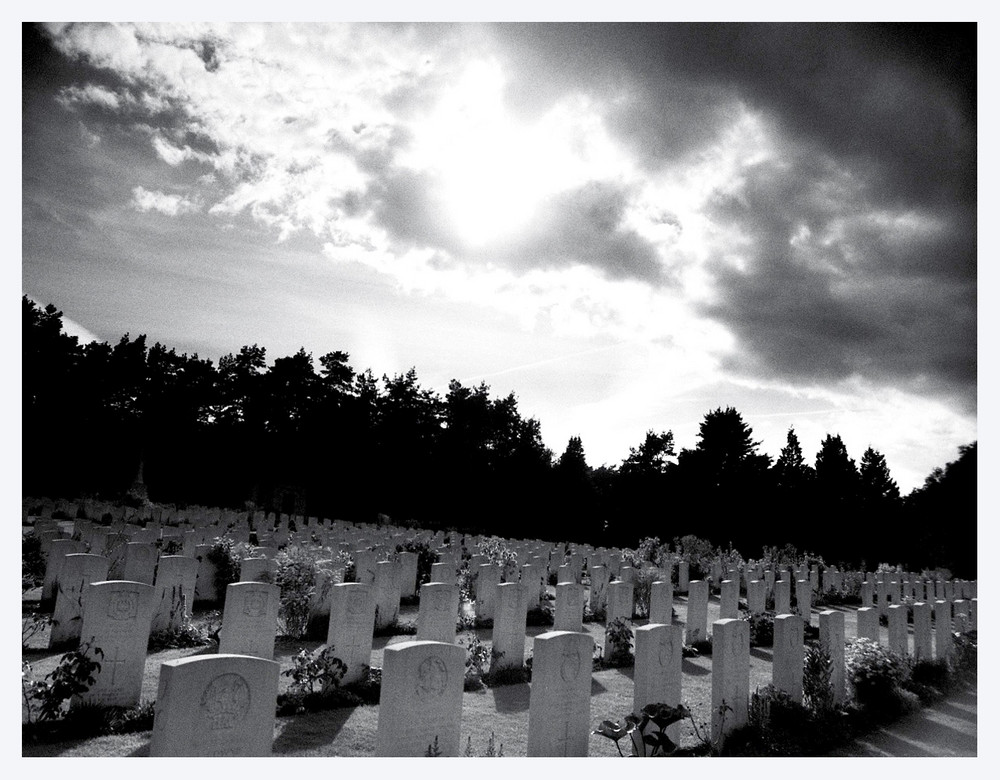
339,443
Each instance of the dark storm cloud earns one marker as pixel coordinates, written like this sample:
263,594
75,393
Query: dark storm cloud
891,304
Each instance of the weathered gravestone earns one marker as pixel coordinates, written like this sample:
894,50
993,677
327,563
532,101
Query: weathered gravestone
364,566
661,602
250,619
58,551
803,600
783,596
140,562
569,607
730,676
117,620
408,573
438,612
658,669
421,699
443,572
509,626
386,594
756,596
729,600
78,571
619,601
682,577
789,655
922,637
942,629
898,643
533,578
259,569
205,588
868,623
559,706
487,579
831,639
174,586
352,621
598,588
215,705
696,625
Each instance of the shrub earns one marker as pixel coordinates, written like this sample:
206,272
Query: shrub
495,550
964,653
540,616
477,663
619,636
873,672
642,589
226,555
761,628
296,576
817,685
32,624
646,741
71,678
32,562
425,557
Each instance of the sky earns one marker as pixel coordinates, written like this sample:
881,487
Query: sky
625,225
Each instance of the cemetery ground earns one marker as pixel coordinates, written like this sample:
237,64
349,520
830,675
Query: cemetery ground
501,711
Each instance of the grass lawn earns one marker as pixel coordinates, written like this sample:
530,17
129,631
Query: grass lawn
502,710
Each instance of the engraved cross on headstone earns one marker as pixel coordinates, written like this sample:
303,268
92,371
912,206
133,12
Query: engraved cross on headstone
564,739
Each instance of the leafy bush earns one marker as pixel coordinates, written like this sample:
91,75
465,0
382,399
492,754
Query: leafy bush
642,589
761,628
699,554
73,677
33,624
874,673
778,726
227,555
653,550
619,636
540,616
477,663
495,550
185,635
817,685
295,575
309,670
964,653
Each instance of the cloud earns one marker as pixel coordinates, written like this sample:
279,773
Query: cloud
171,205
820,285
90,94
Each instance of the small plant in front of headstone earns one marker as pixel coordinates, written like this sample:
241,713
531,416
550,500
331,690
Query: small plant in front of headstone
874,674
316,679
477,663
647,730
761,628
32,562
227,555
295,575
817,685
619,635
33,624
45,700
491,748
433,751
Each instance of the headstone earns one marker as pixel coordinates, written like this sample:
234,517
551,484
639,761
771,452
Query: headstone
661,602
598,588
682,577
532,579
868,627
443,572
783,596
408,573
657,673
883,597
922,638
78,571
942,629
756,596
569,607
421,699
789,655
559,707
564,573
897,630
438,612
386,594
486,590
867,595
58,551
729,601
140,562
352,621
215,705
205,588
509,626
974,613
831,639
730,676
250,619
173,596
117,620
696,625
803,599
619,600
769,581
364,566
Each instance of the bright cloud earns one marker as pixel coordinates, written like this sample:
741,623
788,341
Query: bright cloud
171,205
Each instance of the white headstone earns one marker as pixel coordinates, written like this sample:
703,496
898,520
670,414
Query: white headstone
386,594
897,630
831,639
78,571
250,619
559,708
783,596
569,607
173,596
117,621
215,705
789,655
730,676
438,612
352,622
729,600
421,699
868,627
696,625
657,674
942,629
922,637
509,626
661,602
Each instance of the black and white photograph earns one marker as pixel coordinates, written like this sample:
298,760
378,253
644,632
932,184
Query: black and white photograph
470,387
